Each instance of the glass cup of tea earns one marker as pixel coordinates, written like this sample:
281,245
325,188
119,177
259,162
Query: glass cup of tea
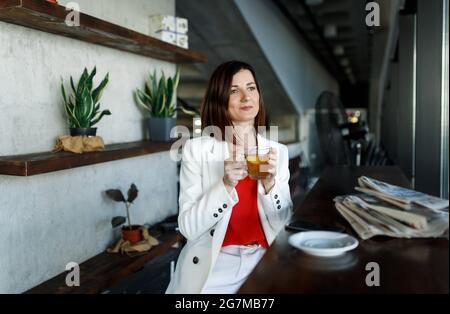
257,158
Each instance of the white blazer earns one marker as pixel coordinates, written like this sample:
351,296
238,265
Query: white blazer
205,208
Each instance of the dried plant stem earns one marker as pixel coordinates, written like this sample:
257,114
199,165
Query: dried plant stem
128,214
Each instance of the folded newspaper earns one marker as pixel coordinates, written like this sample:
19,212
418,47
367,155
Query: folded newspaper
372,214
399,196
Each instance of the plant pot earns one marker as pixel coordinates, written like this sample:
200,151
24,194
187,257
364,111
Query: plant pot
134,235
83,131
159,128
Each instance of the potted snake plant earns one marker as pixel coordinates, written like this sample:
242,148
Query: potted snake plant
157,99
82,107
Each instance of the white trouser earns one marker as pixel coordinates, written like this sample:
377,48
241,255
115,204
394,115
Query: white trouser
232,267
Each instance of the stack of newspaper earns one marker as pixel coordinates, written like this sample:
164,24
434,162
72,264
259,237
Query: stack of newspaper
385,209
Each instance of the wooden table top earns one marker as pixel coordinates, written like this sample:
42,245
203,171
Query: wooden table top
406,265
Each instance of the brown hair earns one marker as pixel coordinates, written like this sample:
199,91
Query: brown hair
214,108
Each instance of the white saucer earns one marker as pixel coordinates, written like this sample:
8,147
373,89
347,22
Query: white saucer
323,243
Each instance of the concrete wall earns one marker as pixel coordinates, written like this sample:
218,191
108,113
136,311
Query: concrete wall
52,219
301,75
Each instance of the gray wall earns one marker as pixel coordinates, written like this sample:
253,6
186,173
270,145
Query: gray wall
301,75
406,51
429,80
52,219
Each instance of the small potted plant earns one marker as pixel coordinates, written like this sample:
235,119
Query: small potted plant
131,233
157,99
82,106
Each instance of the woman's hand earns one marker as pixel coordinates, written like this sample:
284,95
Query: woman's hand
269,181
235,168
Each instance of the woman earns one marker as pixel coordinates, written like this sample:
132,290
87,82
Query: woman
228,219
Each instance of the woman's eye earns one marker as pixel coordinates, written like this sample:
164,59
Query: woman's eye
234,91
252,88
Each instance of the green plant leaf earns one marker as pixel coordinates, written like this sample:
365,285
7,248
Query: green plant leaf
88,108
118,221
78,110
71,103
115,195
171,111
73,122
140,99
162,96
162,84
162,81
68,115
83,109
148,89
81,82
156,102
63,91
72,85
96,109
162,105
169,91
97,93
144,97
176,80
89,80
186,111
154,85
132,193
104,113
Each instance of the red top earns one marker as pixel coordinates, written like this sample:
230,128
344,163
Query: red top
245,226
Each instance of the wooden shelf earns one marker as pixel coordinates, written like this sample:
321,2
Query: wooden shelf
32,164
48,17
104,270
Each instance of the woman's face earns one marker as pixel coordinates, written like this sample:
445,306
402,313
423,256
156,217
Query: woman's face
243,104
